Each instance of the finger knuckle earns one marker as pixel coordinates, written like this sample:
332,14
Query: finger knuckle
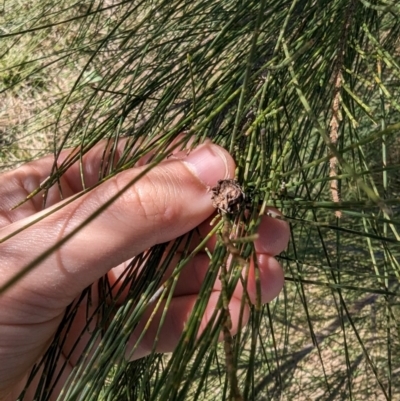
151,198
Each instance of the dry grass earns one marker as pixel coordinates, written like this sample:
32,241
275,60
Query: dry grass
31,93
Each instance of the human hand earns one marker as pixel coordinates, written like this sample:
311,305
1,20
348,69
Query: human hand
153,211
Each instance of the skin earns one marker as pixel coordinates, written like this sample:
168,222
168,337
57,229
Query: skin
152,211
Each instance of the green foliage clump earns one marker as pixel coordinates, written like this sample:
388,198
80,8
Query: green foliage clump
305,95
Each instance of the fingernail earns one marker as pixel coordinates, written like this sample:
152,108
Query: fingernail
272,212
208,162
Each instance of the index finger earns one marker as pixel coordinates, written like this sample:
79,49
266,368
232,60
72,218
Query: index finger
19,183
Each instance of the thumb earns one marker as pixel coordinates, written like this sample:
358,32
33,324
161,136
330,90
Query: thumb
165,203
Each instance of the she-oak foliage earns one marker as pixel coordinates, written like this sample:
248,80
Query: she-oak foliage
305,95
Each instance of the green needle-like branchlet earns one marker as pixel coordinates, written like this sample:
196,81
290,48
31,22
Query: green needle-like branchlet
305,95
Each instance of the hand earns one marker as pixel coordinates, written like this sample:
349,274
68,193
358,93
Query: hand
167,202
